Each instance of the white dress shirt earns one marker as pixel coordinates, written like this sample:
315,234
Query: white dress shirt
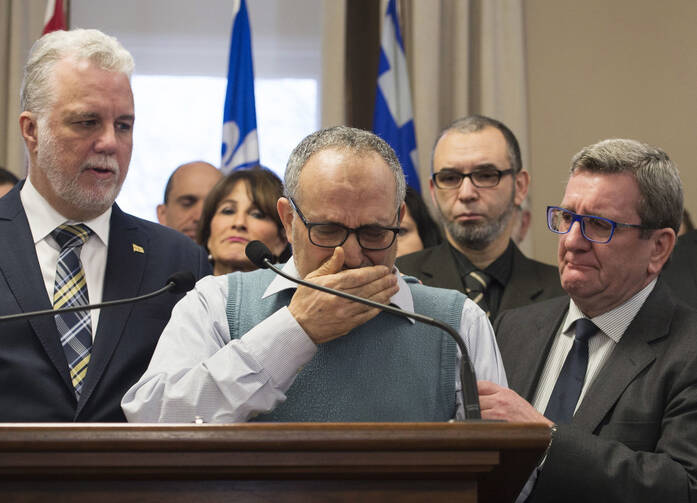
197,370
43,219
611,327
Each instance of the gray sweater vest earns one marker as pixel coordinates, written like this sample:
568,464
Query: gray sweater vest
387,369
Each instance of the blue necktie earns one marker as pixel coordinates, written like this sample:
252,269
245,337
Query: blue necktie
70,289
567,390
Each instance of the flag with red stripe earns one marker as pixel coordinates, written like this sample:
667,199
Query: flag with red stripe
55,17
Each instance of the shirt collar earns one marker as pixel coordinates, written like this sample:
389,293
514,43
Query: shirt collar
499,269
402,299
43,218
615,322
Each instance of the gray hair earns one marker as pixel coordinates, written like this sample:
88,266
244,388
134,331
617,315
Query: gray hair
90,45
354,140
476,123
660,188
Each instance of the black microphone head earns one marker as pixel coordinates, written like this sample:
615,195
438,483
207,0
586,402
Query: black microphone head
257,252
182,281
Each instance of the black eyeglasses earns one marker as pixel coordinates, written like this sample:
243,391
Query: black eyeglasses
331,235
595,229
484,178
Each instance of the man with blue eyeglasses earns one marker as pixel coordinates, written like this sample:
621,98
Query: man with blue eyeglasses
255,346
613,367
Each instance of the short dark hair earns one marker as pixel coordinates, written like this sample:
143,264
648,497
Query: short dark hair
265,188
168,187
475,123
429,231
7,176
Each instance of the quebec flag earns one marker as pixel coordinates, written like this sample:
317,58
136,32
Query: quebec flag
240,145
393,120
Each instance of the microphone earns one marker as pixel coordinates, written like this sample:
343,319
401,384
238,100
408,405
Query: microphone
261,256
179,282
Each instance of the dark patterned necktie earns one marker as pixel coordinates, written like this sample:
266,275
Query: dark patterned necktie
476,283
567,390
70,289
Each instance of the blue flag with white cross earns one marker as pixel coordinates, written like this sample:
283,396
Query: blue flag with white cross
240,147
394,120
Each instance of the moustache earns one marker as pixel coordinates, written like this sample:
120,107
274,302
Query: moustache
101,162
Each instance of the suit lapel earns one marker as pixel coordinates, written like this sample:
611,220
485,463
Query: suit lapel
524,285
534,346
632,355
442,269
20,266
693,263
123,277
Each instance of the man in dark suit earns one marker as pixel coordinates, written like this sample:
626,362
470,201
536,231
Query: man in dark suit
477,182
681,271
66,243
7,181
613,366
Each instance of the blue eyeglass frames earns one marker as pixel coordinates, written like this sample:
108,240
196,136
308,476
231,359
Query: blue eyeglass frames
595,229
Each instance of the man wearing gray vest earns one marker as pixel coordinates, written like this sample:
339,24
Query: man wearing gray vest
255,346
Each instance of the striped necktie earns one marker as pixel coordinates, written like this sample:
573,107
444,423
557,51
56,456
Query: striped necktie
476,283
75,328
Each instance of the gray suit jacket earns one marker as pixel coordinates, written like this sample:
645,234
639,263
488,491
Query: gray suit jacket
634,436
681,271
531,281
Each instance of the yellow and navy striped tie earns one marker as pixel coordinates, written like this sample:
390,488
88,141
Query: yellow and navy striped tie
75,328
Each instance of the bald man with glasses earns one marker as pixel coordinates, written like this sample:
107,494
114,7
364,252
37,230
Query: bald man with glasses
612,368
256,347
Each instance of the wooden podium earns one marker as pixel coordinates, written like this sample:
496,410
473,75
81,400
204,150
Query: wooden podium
280,462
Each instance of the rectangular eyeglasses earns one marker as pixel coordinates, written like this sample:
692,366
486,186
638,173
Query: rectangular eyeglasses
595,229
331,235
484,178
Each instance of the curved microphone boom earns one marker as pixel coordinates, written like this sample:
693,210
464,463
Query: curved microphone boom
261,256
179,282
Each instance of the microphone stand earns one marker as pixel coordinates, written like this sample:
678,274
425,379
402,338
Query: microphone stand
174,282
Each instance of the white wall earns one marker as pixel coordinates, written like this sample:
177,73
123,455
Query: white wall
184,37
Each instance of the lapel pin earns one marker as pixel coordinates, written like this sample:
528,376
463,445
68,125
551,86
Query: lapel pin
138,249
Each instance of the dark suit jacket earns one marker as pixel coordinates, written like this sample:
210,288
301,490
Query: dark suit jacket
34,382
681,271
634,436
531,281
